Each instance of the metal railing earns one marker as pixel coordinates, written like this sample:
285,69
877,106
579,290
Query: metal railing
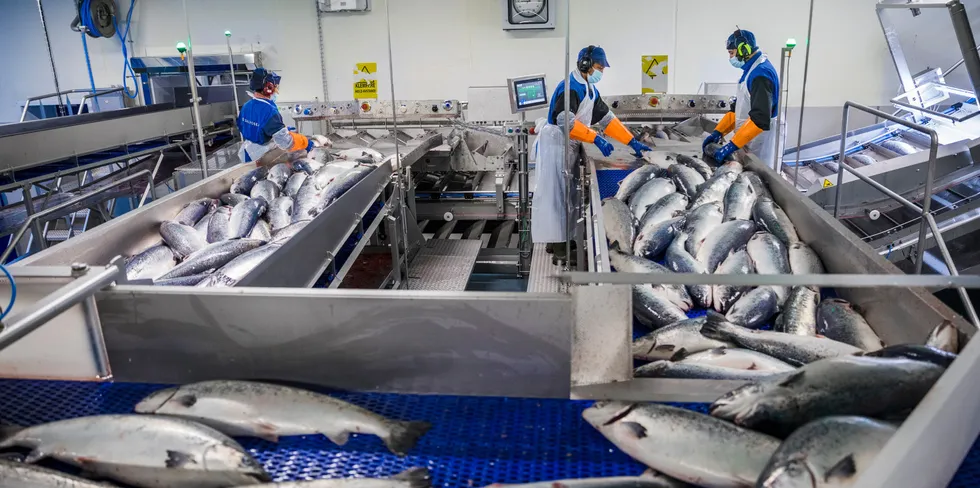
33,220
96,95
927,219
38,98
80,291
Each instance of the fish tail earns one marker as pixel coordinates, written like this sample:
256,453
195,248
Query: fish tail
716,326
416,477
404,435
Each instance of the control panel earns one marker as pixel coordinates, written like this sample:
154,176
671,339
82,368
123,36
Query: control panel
377,109
667,103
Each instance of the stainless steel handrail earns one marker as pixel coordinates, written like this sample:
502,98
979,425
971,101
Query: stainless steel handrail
789,280
96,95
62,299
27,102
33,219
930,170
927,219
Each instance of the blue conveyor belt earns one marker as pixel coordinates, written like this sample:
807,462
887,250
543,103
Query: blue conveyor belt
475,441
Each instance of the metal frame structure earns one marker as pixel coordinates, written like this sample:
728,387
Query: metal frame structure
928,222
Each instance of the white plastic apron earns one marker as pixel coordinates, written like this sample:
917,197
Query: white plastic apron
763,146
549,207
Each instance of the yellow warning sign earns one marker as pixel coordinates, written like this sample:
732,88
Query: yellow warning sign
654,73
365,81
827,183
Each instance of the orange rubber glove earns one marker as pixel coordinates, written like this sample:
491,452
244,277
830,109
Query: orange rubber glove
618,131
581,132
726,124
746,133
299,142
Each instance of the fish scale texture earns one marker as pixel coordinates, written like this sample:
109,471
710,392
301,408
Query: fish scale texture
474,442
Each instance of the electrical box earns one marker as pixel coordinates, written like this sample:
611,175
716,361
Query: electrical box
330,6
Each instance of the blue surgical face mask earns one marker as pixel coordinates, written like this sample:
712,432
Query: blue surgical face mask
274,97
736,62
595,77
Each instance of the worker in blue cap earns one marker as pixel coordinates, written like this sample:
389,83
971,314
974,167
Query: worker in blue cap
267,140
585,110
757,104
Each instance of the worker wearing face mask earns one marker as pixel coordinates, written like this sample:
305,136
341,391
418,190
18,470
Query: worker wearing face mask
754,114
267,140
586,110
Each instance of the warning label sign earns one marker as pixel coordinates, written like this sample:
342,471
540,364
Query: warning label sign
827,183
653,73
365,81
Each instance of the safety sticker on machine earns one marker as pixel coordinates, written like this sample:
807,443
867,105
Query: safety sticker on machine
366,81
827,183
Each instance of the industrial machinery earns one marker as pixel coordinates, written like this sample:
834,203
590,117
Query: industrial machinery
944,184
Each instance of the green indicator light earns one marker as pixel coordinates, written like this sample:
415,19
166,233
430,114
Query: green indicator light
791,43
181,47
227,33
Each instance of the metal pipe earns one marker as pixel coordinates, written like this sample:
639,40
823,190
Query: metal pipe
777,158
47,44
822,280
57,208
524,233
99,353
964,37
403,186
930,172
565,138
234,82
194,98
806,74
967,304
55,303
149,185
323,57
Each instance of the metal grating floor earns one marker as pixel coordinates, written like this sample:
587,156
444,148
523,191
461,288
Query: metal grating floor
443,264
544,275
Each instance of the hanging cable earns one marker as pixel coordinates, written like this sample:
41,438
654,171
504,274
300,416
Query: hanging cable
88,64
13,293
85,16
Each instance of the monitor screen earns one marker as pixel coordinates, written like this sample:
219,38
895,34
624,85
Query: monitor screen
530,93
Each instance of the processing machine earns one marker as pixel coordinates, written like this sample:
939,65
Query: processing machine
931,164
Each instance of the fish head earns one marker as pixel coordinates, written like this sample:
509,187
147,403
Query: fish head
792,473
155,401
604,413
230,457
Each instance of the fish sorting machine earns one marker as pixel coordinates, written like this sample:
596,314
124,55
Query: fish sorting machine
897,155
421,338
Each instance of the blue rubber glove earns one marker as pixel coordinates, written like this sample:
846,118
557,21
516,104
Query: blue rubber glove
713,138
638,147
603,146
291,129
725,152
309,145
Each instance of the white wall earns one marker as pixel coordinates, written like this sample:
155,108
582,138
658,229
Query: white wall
441,47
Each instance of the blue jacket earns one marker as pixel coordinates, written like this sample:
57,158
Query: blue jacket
259,120
767,72
576,96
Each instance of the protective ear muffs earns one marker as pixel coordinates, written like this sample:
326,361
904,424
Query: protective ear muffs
268,89
744,51
585,64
